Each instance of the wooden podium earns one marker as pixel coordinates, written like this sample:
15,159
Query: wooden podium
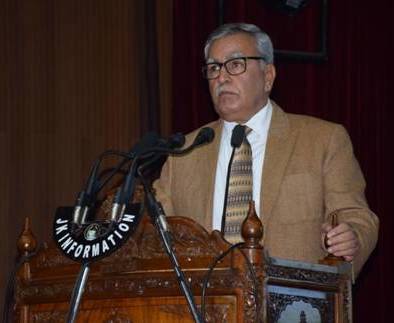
137,283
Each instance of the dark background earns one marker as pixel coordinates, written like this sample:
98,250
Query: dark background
79,77
353,87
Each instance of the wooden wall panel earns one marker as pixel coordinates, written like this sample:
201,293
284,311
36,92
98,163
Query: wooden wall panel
70,87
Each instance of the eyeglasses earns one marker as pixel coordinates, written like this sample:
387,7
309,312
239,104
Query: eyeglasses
233,66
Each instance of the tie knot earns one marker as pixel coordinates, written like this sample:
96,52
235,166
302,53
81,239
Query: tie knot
247,130
240,132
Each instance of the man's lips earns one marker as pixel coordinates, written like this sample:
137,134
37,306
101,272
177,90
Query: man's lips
223,92
227,93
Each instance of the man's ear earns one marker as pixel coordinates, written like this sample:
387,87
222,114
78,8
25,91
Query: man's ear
270,74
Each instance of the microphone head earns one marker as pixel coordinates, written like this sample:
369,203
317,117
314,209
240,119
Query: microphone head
177,140
238,136
205,135
149,140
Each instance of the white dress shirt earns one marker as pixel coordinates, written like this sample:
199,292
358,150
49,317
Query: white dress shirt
257,138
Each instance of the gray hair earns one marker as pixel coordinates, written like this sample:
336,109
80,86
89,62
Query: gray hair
263,41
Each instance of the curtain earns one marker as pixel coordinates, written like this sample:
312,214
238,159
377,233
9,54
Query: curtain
353,87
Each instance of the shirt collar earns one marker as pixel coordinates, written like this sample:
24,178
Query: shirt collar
258,123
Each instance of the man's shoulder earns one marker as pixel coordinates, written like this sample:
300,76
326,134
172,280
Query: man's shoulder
302,120
316,129
304,126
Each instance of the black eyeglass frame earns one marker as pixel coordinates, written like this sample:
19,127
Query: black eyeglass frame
244,58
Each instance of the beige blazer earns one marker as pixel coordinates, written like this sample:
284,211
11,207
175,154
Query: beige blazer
309,171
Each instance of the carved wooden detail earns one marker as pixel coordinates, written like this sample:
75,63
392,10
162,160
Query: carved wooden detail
50,258
217,313
252,228
117,316
138,280
27,242
49,317
278,303
214,313
303,275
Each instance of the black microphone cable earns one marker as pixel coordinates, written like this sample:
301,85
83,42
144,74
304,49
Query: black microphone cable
125,192
150,139
88,196
251,270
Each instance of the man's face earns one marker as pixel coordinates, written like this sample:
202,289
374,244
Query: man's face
239,97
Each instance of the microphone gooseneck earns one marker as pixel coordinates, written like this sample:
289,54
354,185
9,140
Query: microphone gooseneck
149,140
87,241
145,157
205,135
84,198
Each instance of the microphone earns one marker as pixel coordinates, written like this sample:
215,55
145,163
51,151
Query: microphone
150,139
169,146
81,207
87,197
237,136
176,140
124,192
205,135
148,146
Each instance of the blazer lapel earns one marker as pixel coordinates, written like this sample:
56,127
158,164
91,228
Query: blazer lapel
280,145
208,167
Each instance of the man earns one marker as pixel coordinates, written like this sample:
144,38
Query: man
303,168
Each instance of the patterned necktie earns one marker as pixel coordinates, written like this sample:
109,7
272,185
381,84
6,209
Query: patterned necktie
240,190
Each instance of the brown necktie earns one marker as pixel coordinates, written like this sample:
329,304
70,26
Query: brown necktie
240,190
